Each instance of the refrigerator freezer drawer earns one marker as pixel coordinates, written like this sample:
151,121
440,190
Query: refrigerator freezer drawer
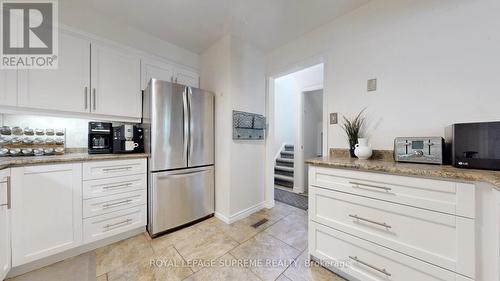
179,197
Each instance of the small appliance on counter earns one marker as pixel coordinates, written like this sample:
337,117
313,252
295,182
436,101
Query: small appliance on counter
429,150
100,138
474,145
128,139
17,141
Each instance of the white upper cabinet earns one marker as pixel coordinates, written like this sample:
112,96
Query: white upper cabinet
64,89
5,263
186,77
116,85
94,77
8,87
46,211
157,70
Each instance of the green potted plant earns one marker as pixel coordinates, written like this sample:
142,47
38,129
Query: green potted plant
354,130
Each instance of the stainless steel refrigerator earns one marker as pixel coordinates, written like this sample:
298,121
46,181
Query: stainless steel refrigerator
178,124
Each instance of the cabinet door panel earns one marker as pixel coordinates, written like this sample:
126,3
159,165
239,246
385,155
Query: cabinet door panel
66,88
46,211
115,82
4,225
186,77
8,87
157,70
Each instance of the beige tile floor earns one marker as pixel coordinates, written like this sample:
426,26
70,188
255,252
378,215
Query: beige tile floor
210,250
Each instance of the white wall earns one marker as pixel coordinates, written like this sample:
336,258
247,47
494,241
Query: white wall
215,76
436,64
82,18
235,72
285,104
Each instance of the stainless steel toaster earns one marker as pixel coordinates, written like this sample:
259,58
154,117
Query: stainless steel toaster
428,150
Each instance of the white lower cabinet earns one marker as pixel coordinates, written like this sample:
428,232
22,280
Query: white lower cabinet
368,261
59,207
386,227
5,204
46,211
114,197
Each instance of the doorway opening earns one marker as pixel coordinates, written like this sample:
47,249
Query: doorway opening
296,121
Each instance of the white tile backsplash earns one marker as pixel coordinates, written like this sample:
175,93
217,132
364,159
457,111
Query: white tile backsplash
76,129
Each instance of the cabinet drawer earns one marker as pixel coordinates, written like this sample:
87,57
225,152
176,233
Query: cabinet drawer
442,196
107,204
367,261
117,168
106,187
402,228
107,225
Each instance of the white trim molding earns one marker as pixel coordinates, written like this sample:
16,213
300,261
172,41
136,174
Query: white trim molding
241,214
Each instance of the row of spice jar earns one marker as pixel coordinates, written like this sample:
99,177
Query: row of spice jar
18,131
30,151
30,140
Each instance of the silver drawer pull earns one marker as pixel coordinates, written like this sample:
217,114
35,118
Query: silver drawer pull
110,205
116,186
116,169
370,221
381,270
357,184
9,193
112,226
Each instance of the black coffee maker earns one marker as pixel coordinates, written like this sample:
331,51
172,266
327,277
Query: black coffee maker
100,138
128,139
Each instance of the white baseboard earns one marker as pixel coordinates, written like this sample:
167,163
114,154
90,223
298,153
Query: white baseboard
241,214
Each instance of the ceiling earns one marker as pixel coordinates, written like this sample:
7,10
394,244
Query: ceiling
196,24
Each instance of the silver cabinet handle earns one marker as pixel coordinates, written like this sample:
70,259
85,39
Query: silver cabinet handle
370,221
116,186
112,226
381,270
9,193
94,99
86,97
357,184
116,169
110,205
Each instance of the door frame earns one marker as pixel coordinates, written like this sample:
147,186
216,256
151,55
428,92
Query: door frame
299,165
270,97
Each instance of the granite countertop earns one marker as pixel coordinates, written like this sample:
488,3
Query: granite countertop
410,169
7,162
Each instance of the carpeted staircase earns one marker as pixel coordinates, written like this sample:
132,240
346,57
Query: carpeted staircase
283,168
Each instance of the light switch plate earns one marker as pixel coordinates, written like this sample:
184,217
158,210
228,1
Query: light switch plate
334,118
372,85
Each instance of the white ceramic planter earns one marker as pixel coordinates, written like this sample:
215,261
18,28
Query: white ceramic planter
363,151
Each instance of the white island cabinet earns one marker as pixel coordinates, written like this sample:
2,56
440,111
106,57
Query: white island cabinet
46,210
5,205
392,227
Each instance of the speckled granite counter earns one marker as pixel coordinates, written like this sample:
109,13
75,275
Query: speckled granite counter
409,169
7,162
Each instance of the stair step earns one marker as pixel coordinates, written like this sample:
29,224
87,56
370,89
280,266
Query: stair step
285,160
287,152
284,168
283,183
283,178
283,173
289,147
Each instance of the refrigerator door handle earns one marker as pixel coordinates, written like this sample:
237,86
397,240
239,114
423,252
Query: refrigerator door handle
186,123
180,175
191,125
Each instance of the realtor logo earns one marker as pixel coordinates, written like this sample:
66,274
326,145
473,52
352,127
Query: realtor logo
29,34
